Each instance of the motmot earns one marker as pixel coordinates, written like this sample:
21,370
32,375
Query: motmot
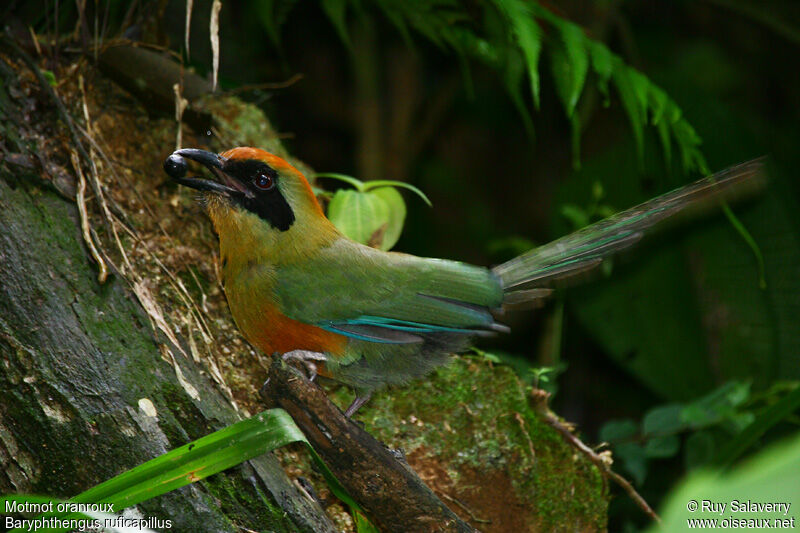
370,318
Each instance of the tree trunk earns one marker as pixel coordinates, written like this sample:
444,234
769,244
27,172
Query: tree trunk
87,390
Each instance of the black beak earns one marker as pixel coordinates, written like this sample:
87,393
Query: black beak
206,158
175,166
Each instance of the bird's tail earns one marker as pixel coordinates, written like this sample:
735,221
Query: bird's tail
532,274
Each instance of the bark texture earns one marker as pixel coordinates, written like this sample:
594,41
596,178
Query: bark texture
81,368
390,492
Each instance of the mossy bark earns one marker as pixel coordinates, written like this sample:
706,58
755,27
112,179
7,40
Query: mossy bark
473,433
78,359
81,366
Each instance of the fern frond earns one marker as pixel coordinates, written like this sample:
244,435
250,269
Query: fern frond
528,35
509,37
336,10
570,63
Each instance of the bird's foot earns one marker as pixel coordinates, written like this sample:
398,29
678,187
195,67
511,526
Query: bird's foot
307,359
399,454
357,403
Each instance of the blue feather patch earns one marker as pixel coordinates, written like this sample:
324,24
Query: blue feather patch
386,330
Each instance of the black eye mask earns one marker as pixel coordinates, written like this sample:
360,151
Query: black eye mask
266,199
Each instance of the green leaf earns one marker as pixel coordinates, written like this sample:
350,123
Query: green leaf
618,430
528,36
198,460
359,215
570,64
662,447
512,75
374,214
363,525
397,215
50,77
603,66
195,461
631,103
659,103
663,420
716,406
763,422
641,89
771,476
337,13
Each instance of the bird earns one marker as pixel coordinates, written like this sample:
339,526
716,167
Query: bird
370,318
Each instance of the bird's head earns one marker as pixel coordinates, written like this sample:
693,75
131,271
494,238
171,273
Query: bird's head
257,197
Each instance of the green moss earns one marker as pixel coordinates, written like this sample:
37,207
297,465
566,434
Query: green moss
474,419
246,504
243,124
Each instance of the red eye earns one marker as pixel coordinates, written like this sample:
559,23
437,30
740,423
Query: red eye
264,181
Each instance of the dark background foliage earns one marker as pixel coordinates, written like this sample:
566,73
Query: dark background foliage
676,351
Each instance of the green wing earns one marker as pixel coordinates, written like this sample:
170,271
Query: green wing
388,297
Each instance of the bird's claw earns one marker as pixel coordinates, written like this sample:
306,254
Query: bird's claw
307,359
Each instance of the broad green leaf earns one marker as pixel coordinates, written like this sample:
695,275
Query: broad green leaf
362,216
658,102
397,215
512,75
771,476
374,213
197,460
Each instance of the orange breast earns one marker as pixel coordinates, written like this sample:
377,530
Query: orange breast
273,331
